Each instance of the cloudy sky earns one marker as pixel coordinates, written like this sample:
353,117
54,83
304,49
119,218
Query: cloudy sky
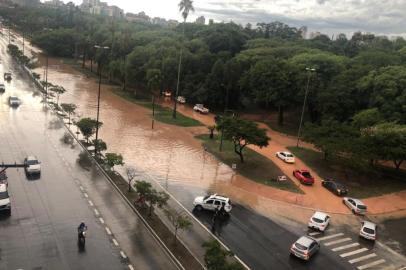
328,16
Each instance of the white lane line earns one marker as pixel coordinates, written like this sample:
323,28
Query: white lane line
372,264
123,255
85,194
91,203
353,252
337,241
329,236
101,220
130,267
115,242
108,231
96,212
345,247
363,258
314,233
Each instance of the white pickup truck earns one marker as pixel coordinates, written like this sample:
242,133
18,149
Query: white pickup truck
201,109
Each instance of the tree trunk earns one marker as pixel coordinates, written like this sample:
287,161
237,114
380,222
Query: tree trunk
91,64
398,163
325,155
176,233
84,59
280,115
211,133
239,152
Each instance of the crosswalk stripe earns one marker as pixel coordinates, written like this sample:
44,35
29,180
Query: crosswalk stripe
329,236
345,247
372,264
314,233
353,252
337,241
363,258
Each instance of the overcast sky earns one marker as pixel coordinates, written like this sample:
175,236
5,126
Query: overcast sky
327,16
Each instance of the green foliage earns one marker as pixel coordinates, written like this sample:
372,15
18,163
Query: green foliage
150,195
112,159
216,258
59,42
87,127
69,108
100,145
179,219
367,118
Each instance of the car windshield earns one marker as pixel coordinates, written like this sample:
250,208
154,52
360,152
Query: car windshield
317,220
289,155
301,247
32,162
368,230
306,174
13,98
3,195
362,207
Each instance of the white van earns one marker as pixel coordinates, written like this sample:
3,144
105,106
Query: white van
5,204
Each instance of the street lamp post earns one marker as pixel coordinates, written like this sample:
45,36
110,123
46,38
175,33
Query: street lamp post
309,71
98,100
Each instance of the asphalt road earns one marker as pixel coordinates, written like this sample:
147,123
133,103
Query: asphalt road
46,210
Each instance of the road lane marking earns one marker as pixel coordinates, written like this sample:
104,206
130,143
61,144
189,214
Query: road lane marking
130,267
96,212
115,242
337,241
85,194
108,231
345,247
363,258
91,203
101,220
372,264
314,233
329,236
123,255
353,252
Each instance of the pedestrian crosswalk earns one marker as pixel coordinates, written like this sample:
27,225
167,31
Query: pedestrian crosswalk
361,257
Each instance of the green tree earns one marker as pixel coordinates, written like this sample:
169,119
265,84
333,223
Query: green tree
69,108
242,133
58,90
87,127
113,159
179,219
216,258
100,145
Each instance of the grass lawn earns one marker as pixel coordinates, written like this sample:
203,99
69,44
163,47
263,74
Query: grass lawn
256,167
162,114
360,184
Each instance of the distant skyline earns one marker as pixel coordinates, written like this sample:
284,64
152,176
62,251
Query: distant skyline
331,17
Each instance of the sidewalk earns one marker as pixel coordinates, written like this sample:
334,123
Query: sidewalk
315,196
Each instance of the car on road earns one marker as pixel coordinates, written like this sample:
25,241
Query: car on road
32,165
181,99
14,101
319,221
368,230
356,206
201,109
7,76
5,203
305,247
286,156
3,176
2,87
167,93
212,202
335,187
304,177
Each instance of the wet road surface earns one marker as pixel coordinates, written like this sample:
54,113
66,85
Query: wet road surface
46,210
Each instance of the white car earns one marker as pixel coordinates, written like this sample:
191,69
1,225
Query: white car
200,108
368,230
212,202
181,99
356,206
286,156
14,101
32,165
5,204
319,221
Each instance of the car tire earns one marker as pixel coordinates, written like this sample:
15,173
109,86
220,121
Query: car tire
353,211
199,208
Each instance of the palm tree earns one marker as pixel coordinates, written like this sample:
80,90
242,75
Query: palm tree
185,6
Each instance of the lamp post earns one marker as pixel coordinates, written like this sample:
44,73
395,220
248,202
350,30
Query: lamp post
98,100
309,72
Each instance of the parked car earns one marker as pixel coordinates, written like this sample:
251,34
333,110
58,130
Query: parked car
211,202
3,177
200,108
2,87
319,221
181,99
14,101
305,247
7,76
335,187
286,156
5,203
356,206
32,165
368,230
167,93
304,177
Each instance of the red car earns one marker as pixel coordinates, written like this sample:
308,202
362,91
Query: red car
304,176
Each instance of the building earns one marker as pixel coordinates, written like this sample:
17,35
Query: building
100,8
26,2
201,20
140,17
54,3
303,32
314,35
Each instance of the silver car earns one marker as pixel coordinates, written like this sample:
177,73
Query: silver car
305,247
356,206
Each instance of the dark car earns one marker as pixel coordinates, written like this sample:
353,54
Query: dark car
335,187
